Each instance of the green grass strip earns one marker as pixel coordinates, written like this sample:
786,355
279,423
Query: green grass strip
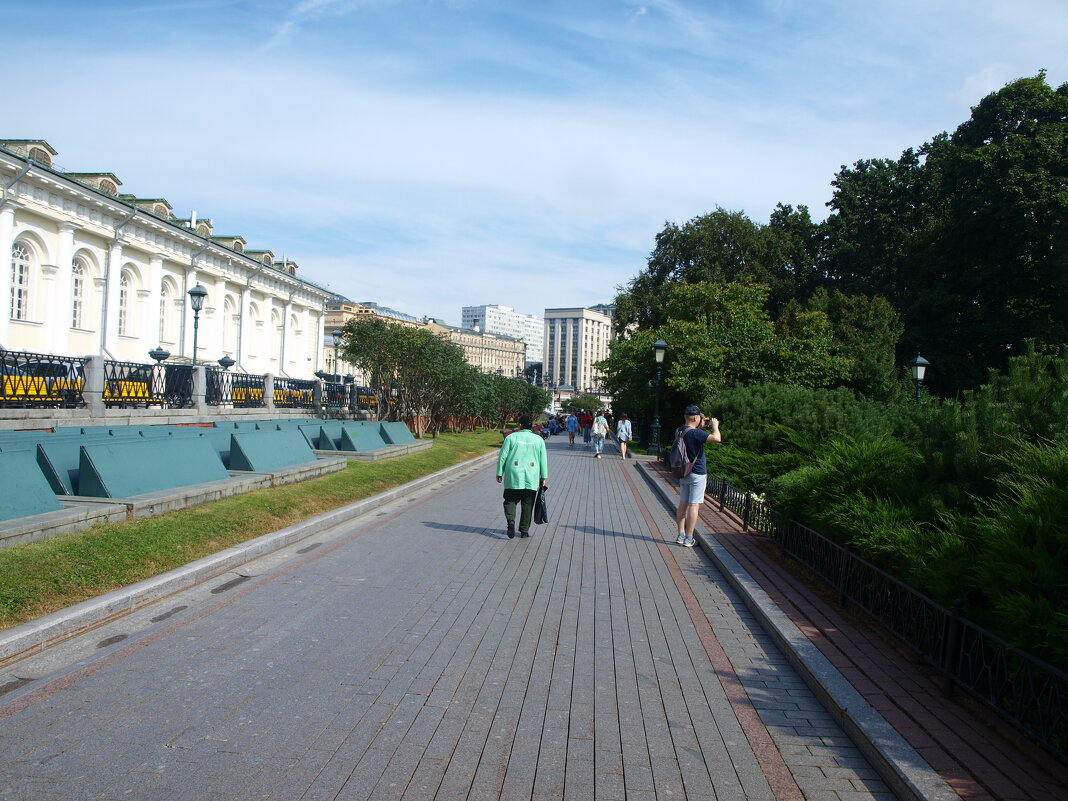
42,577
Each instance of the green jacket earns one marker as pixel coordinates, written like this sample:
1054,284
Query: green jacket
522,460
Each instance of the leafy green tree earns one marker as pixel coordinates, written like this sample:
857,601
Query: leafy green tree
590,402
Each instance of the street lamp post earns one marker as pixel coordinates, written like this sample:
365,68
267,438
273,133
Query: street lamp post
336,334
654,441
919,367
196,300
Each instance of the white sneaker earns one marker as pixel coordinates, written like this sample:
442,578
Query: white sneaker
690,542
681,539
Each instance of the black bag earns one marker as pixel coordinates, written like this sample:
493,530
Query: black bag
541,510
679,459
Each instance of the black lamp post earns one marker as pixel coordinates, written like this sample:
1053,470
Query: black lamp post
336,334
196,300
654,441
919,367
159,354
226,362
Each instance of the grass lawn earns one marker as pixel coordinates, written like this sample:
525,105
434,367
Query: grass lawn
42,577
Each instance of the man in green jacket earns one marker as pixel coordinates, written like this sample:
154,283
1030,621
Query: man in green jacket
522,467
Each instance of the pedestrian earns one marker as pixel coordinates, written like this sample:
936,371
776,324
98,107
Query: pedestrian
601,430
572,426
522,467
692,487
623,433
586,421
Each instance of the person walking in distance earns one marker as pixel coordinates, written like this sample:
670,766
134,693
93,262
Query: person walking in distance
522,466
586,421
623,433
601,430
572,426
692,487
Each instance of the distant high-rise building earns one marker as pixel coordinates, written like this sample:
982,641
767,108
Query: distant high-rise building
575,339
505,320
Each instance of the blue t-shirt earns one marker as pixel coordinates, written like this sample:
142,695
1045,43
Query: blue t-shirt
695,439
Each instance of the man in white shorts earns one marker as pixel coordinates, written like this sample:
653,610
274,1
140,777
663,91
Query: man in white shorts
692,487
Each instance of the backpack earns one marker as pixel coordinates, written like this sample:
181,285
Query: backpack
678,459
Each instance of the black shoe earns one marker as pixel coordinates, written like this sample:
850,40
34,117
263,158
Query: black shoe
511,529
524,534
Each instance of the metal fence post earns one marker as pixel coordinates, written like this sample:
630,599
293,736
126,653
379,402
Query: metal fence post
747,510
951,656
93,385
722,494
843,576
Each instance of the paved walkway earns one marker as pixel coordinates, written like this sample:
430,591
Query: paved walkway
417,653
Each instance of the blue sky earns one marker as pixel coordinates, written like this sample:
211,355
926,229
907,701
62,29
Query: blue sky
429,155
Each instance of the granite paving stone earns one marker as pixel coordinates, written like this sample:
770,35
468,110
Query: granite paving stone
419,654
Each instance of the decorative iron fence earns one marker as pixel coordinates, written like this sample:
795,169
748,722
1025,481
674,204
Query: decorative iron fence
294,393
335,395
246,391
35,380
219,387
133,385
1025,690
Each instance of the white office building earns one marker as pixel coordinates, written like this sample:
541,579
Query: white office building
575,340
505,320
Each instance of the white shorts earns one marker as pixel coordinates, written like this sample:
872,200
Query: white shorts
692,488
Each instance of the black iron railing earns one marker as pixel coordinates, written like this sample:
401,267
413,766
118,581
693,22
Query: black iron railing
334,395
219,387
35,380
133,385
294,393
246,391
1025,690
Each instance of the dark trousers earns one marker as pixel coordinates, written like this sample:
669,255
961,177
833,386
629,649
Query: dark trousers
525,498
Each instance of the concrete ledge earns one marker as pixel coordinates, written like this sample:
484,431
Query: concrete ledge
388,452
74,516
898,764
37,635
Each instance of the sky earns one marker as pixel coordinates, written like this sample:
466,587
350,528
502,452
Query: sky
433,154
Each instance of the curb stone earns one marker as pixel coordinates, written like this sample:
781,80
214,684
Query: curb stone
37,635
898,764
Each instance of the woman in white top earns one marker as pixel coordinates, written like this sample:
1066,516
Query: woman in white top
623,433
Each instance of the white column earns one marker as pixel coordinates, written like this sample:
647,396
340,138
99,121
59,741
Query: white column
309,359
58,316
288,344
246,330
187,313
151,310
111,295
7,239
266,339
219,321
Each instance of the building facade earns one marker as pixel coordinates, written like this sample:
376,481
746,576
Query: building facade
490,353
96,272
576,339
340,310
507,321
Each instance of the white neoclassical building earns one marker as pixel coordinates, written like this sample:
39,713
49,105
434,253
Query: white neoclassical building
96,272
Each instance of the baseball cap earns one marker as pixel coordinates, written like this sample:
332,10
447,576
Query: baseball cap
693,411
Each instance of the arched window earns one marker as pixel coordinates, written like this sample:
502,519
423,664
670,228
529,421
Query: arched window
124,303
79,274
168,330
231,321
21,269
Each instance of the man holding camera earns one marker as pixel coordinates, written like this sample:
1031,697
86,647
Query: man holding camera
692,487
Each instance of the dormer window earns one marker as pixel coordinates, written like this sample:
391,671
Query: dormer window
161,211
203,230
108,188
41,156
238,246
268,259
